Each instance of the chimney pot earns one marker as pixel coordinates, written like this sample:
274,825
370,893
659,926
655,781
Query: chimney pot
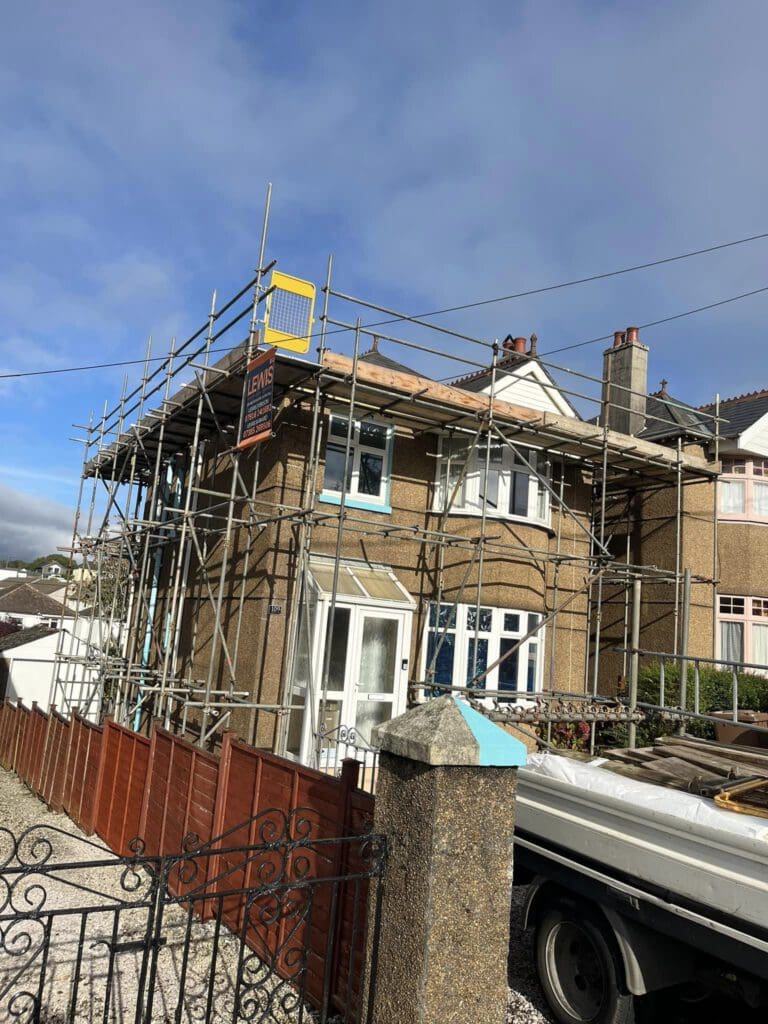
532,350
508,343
519,344
633,335
618,338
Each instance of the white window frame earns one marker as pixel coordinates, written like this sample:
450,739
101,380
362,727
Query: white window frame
503,467
755,613
751,473
464,636
354,496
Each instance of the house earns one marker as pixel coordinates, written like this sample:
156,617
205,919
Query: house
715,529
392,535
27,666
30,602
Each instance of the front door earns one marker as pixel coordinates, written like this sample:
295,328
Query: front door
367,673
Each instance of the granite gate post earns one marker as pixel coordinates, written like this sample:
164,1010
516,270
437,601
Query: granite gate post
446,803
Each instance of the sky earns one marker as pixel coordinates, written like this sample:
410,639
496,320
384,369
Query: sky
442,152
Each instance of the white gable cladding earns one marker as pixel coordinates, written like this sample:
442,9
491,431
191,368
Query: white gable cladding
755,438
529,386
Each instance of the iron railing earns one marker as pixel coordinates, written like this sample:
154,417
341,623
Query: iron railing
266,923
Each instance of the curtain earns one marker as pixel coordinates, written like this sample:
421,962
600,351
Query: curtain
732,496
760,499
732,641
760,645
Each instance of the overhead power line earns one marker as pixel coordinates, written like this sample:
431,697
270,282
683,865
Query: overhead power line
468,305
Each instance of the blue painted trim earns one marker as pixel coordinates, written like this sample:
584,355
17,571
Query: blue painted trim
496,747
335,499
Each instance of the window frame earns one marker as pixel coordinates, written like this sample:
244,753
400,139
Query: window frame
354,496
504,467
751,471
755,613
463,640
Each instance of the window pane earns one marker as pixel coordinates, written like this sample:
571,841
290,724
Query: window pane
732,641
760,645
731,496
508,667
378,662
339,427
511,623
486,616
373,435
542,501
731,605
447,616
533,650
482,661
371,472
491,492
760,499
370,713
444,663
334,469
518,494
338,640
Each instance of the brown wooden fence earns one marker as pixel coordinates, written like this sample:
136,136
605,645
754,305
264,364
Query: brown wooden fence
122,785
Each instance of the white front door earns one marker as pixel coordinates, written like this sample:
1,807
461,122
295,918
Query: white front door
367,672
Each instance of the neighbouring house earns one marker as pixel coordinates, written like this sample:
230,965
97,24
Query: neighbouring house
12,574
28,604
716,529
28,659
393,534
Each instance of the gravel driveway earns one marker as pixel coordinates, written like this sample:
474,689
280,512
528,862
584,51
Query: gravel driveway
79,959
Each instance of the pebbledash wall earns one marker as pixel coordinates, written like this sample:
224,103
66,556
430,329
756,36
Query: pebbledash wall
509,581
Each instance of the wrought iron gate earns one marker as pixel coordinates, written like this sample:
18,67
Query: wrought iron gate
266,923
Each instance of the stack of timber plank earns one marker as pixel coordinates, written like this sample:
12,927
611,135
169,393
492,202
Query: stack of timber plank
735,776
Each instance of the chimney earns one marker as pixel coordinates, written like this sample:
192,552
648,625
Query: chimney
625,382
515,344
532,351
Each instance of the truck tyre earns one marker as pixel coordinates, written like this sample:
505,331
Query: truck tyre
579,968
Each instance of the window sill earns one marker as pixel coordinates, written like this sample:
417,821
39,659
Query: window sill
742,517
541,524
366,506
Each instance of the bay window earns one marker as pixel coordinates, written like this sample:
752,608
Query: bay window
744,488
506,481
462,645
743,629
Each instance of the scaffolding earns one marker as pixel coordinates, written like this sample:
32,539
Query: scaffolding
161,545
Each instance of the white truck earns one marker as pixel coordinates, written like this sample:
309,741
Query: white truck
636,889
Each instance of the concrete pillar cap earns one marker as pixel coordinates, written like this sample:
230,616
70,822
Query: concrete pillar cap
448,731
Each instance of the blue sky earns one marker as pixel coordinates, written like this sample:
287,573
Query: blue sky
443,152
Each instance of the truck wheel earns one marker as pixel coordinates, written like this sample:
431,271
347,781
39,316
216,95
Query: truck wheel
579,968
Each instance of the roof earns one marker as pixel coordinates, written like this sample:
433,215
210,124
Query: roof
377,359
669,417
44,586
482,378
739,413
27,599
24,636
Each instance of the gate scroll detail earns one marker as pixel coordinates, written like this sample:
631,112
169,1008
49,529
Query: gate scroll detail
250,926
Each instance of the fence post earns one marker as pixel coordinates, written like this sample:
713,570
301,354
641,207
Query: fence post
446,803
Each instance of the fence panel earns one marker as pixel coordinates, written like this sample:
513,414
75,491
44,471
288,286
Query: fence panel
7,734
179,800
121,784
33,747
79,797
54,770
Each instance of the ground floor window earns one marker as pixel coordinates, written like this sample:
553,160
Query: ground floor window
743,629
463,641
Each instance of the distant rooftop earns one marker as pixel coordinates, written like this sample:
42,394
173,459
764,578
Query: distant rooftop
376,358
24,636
27,599
670,417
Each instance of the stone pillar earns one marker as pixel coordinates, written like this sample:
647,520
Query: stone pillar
445,801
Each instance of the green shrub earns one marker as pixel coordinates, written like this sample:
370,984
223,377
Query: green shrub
715,694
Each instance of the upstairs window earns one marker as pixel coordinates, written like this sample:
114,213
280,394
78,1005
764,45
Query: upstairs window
368,464
743,491
508,482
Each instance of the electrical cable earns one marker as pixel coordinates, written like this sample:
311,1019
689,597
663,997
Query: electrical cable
473,305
